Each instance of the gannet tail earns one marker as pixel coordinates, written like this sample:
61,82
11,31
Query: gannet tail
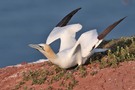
100,50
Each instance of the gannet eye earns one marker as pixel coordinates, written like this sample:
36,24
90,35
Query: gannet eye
42,48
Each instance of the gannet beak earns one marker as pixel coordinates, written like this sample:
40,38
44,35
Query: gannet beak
36,46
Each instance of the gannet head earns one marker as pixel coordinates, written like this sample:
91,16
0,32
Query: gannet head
45,50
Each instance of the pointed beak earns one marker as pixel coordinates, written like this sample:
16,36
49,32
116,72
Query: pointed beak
35,46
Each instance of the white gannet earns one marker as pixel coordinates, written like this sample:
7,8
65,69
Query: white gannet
80,51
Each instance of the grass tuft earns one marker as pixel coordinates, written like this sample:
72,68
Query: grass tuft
121,50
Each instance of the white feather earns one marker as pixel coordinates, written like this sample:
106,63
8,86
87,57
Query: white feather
88,41
66,34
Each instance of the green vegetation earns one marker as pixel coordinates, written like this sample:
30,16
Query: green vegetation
93,73
120,50
44,76
83,71
25,88
71,84
37,76
49,88
19,85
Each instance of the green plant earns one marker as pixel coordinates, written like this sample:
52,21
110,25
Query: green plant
121,50
93,73
49,88
68,75
19,85
37,76
71,84
82,71
25,88
58,76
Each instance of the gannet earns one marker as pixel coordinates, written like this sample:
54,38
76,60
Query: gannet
81,49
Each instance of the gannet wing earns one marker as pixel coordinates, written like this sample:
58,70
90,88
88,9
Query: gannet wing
90,40
59,32
67,18
109,29
66,34
86,42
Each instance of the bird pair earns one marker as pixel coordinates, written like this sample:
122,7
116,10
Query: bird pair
72,52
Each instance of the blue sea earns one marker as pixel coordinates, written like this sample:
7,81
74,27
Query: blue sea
23,22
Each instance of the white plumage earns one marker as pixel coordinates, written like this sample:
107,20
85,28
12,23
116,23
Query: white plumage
66,34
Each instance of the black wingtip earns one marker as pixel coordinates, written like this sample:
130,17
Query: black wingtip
78,8
109,29
67,18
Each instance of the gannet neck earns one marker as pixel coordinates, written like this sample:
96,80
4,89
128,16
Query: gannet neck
49,53
46,50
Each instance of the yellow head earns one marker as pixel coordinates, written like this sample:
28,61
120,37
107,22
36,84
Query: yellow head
45,50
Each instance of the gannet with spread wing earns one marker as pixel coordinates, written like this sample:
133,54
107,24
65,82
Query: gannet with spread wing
66,33
78,51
